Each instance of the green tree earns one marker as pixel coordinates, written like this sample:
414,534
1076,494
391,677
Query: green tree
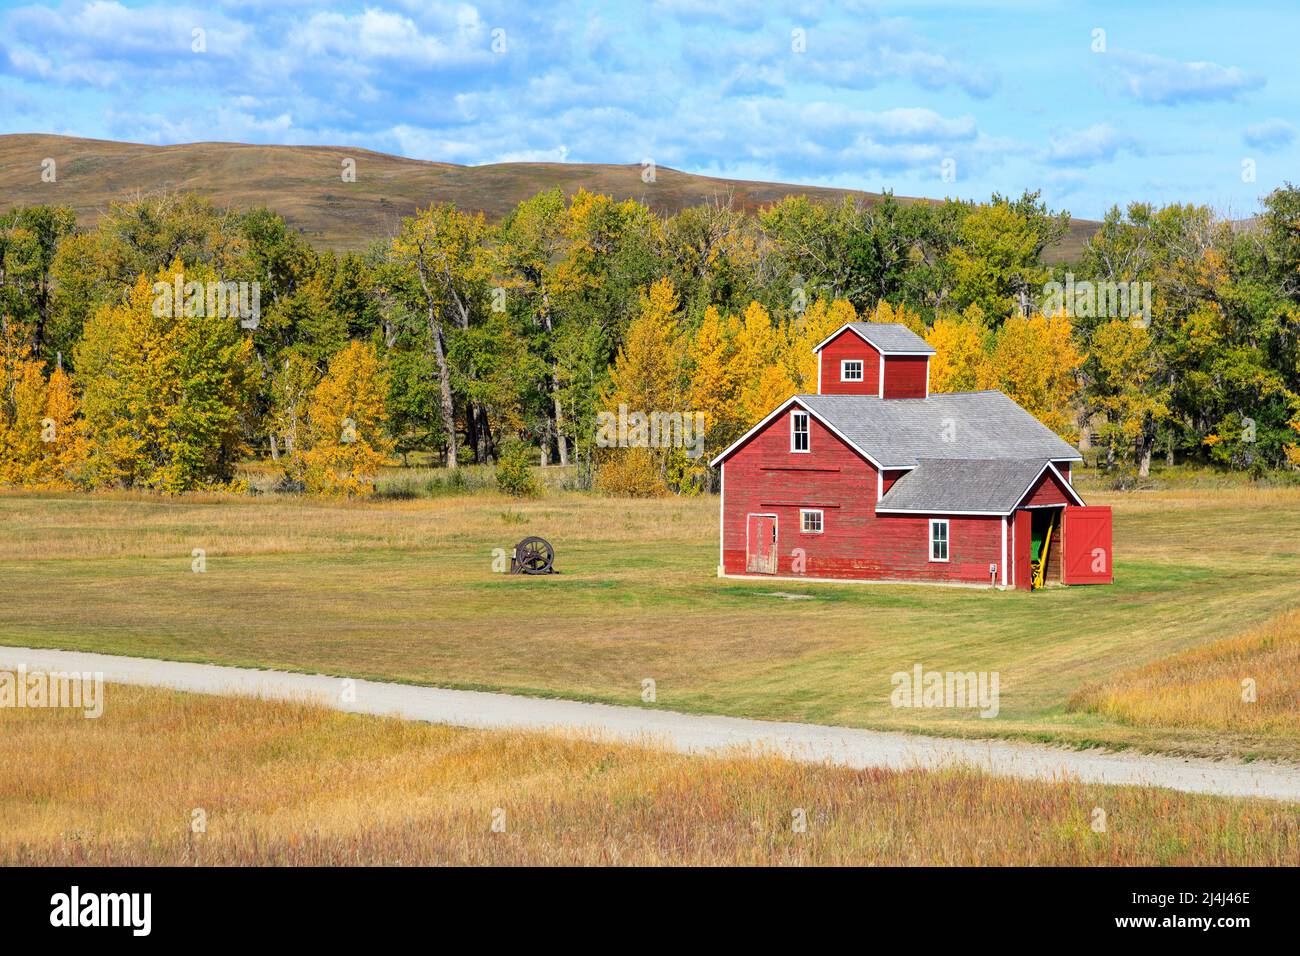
997,260
445,252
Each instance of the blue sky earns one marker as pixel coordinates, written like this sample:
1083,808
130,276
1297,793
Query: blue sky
925,98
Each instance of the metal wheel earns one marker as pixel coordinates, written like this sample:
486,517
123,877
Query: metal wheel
534,556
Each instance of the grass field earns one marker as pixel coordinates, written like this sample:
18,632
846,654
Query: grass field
404,590
277,783
1206,687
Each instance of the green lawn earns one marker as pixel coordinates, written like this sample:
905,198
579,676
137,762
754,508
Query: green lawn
404,590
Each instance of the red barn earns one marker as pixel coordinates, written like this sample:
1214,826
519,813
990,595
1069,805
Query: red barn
875,479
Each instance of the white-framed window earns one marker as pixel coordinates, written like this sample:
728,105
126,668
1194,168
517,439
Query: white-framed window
938,539
810,521
799,437
851,370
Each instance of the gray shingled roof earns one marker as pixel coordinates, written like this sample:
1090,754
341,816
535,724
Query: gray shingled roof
948,485
899,432
891,337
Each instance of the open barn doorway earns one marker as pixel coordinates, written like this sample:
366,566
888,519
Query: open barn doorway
1045,547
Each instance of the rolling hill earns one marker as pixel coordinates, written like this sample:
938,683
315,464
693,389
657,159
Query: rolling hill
303,184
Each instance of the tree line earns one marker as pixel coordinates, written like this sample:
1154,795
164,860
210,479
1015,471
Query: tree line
130,356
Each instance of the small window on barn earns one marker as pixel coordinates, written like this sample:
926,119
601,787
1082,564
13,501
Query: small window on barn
938,539
851,370
799,431
810,522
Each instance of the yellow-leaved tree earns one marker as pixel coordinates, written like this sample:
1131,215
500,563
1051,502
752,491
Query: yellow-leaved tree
715,379
41,444
1035,362
1292,450
22,406
961,361
761,350
647,379
345,425
818,321
166,384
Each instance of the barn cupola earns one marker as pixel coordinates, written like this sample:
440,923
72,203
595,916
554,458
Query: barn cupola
883,359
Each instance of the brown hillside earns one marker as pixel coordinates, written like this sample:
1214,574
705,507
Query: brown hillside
304,185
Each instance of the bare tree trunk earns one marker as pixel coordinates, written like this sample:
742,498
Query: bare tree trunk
1144,456
560,443
275,448
548,442
471,432
444,392
485,435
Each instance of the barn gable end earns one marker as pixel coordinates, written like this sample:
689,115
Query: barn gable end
883,359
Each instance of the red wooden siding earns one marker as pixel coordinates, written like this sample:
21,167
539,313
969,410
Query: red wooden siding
890,478
1064,468
906,376
1047,491
1087,546
849,345
765,477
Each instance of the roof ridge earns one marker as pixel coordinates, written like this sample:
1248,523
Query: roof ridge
1029,458
919,398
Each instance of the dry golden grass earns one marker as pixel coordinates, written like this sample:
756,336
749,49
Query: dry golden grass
1203,688
297,784
302,184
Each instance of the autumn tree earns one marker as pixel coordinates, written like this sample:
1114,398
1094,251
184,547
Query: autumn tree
809,330
1035,362
997,257
347,443
715,379
961,362
761,349
1127,391
575,270
647,379
41,442
166,385
291,386
446,252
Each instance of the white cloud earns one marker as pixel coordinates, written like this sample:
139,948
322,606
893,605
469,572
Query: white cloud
1156,79
376,35
1098,143
1269,135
